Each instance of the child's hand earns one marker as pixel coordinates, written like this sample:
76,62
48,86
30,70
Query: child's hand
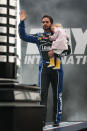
51,53
50,38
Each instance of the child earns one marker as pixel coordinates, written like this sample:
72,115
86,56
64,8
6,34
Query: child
59,44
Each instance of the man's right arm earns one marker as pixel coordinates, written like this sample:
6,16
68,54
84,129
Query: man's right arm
22,33
24,36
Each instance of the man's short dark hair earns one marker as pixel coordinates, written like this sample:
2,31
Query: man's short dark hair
49,17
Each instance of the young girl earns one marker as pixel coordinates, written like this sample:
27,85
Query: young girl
59,44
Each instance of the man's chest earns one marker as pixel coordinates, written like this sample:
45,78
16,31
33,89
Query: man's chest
44,42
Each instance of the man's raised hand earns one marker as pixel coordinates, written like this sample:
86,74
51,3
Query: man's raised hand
23,15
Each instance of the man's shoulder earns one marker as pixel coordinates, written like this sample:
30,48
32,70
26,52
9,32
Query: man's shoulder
39,34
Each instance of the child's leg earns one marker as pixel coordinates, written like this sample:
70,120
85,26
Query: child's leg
52,62
57,64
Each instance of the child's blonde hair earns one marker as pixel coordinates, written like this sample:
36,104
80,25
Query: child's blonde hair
56,25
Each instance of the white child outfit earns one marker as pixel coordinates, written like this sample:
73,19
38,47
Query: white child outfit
60,39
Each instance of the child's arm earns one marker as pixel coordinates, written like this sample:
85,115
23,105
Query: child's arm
54,36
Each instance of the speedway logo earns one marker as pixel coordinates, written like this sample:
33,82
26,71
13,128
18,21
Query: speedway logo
72,59
78,43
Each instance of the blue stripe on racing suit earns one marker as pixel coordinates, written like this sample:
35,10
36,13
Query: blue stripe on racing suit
60,89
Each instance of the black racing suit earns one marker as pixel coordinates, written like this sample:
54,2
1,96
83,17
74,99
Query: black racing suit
48,75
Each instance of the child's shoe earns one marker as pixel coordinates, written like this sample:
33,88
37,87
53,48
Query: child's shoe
57,65
51,62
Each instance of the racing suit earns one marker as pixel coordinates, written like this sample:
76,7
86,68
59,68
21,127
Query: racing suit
48,75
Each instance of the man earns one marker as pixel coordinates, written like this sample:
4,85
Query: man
48,75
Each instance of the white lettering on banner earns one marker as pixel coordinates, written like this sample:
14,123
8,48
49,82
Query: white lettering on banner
84,60
38,59
64,59
70,60
78,59
29,59
81,40
74,60
33,59
77,54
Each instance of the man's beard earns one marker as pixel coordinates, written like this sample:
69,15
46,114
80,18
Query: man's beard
48,28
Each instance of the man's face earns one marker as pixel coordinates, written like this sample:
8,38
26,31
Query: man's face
46,23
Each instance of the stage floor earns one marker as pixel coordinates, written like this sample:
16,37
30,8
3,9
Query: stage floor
67,126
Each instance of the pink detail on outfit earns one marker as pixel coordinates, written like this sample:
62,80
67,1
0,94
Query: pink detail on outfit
59,39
